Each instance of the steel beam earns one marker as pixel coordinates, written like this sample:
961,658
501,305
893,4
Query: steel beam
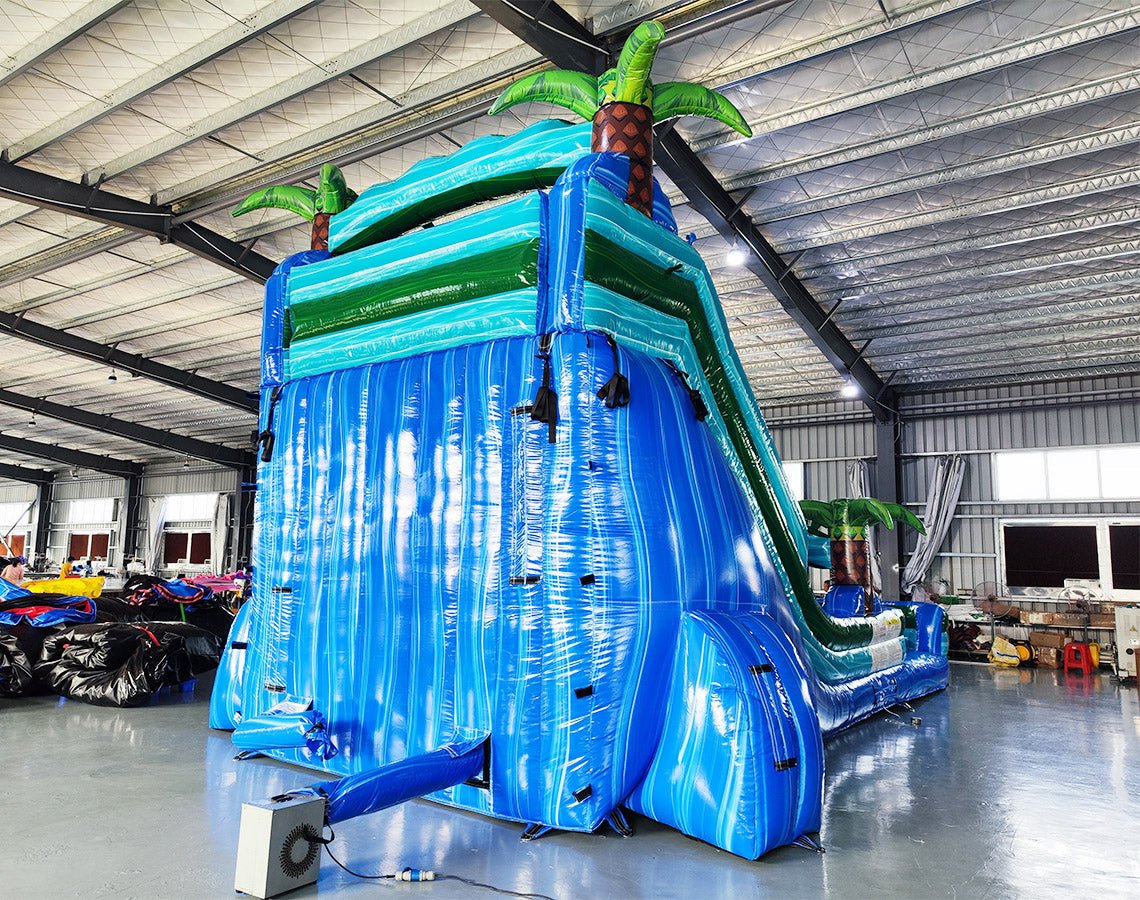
1004,163
49,192
559,37
17,325
1007,114
1059,39
712,201
167,71
57,36
311,77
25,474
953,211
131,431
75,459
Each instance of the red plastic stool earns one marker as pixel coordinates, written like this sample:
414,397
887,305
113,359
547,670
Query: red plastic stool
1078,656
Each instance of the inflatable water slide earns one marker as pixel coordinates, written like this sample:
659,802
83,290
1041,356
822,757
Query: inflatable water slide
523,541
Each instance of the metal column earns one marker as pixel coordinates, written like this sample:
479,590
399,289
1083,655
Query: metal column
888,486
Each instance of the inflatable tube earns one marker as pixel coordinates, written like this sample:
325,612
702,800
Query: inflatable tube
415,776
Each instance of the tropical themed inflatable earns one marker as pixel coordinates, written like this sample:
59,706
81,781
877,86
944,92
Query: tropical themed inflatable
523,541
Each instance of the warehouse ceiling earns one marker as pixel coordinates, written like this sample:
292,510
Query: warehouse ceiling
956,183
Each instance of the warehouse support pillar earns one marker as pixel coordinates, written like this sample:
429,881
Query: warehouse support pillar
132,515
888,486
43,519
243,521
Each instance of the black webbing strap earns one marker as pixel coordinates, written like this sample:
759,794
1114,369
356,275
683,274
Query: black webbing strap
615,392
266,439
545,407
699,409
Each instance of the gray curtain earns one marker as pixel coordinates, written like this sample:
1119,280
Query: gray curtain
155,523
941,501
219,533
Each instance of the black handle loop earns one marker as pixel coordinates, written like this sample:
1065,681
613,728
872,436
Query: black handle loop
615,392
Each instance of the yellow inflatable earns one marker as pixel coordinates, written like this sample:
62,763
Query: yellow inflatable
70,587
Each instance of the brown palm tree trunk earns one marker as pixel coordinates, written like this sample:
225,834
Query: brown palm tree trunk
628,128
850,563
320,234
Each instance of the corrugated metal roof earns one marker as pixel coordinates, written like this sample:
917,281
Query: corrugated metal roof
961,178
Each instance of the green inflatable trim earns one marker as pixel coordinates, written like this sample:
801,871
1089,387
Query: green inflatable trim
616,268
480,275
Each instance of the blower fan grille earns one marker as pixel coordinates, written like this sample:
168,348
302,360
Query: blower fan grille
294,861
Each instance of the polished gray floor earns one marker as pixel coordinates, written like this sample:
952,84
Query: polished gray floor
1015,784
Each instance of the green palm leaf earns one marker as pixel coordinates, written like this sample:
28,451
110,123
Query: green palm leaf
333,195
680,98
299,200
576,91
636,60
877,510
904,515
820,515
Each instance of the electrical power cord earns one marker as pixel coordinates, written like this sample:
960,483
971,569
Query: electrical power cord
410,874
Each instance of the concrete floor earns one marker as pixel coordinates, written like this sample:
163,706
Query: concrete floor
1015,784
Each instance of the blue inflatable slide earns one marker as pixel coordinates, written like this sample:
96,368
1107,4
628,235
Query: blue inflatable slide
523,541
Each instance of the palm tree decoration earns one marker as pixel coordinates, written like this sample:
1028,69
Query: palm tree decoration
331,196
845,521
623,104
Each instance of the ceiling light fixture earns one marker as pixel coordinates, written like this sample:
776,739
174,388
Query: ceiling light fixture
112,376
74,473
32,421
186,463
850,389
735,256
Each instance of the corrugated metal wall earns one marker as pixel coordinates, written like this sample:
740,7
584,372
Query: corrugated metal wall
829,437
157,481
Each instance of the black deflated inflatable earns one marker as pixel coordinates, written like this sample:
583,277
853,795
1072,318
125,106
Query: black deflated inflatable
15,667
124,664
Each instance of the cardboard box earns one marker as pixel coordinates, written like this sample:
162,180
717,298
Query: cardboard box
1050,657
1101,620
1036,617
1054,640
1071,620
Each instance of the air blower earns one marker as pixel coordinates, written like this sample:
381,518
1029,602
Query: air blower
279,845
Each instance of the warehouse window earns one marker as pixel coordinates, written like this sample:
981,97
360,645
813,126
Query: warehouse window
186,548
1082,473
84,544
794,473
98,511
1124,542
1046,555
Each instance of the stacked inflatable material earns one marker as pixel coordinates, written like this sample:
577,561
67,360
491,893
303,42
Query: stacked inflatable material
81,648
520,493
